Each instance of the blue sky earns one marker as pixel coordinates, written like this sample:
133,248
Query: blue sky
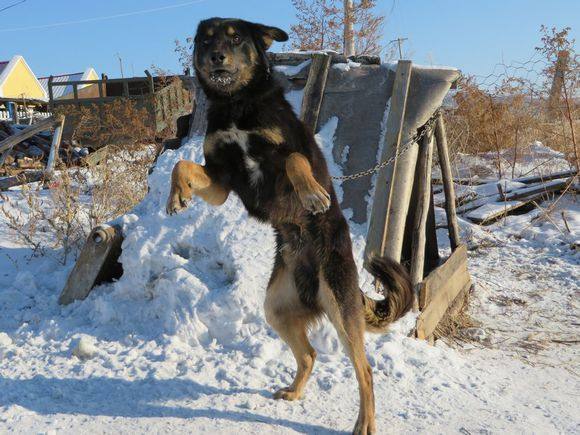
472,35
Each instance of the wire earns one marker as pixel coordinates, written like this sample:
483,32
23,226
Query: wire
88,20
12,5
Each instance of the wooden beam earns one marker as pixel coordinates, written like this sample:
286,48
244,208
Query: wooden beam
541,178
20,179
54,147
28,132
523,193
439,290
381,204
422,210
314,90
97,263
448,188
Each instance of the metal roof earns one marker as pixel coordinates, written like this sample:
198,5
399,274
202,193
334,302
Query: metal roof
60,91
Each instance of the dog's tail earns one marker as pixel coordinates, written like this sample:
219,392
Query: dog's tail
397,290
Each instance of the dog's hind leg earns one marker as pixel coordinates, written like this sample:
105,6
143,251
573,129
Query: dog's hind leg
348,319
290,318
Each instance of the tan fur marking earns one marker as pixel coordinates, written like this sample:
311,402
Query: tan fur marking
350,328
210,32
188,179
230,31
273,135
268,40
288,316
312,195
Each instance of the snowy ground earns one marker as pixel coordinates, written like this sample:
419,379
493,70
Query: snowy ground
180,345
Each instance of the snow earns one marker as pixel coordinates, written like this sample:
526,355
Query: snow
292,70
179,343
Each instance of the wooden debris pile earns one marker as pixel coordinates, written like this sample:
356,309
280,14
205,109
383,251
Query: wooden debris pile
33,152
485,203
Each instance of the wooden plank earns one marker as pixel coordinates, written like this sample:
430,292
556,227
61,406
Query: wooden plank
441,288
492,211
551,186
547,177
22,178
97,263
421,212
437,279
398,104
314,90
54,147
447,178
28,132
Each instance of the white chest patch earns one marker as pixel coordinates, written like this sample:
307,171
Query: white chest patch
240,137
253,168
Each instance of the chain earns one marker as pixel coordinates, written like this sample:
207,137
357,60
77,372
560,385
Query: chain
427,128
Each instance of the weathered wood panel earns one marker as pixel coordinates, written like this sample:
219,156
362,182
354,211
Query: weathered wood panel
96,263
439,290
314,90
381,204
419,228
447,178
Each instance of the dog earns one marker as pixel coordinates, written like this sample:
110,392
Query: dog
256,147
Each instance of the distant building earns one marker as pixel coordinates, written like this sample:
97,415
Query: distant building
65,92
17,81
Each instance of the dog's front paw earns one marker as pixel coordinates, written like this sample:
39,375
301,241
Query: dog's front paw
175,203
315,198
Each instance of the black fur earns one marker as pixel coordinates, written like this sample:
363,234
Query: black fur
318,242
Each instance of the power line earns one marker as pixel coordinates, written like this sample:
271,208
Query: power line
12,5
108,17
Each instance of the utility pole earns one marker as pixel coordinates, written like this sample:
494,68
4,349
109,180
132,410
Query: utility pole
400,42
348,41
120,65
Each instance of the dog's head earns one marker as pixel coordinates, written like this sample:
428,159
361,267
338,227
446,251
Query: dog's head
230,53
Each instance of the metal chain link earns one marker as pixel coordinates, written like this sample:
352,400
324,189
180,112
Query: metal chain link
427,128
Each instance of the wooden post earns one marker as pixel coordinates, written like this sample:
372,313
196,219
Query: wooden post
314,90
348,37
381,204
54,147
50,93
421,212
150,80
126,89
15,117
447,178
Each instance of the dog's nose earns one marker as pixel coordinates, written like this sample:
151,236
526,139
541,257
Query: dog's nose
217,58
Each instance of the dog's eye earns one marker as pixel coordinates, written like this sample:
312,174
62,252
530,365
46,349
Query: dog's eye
237,39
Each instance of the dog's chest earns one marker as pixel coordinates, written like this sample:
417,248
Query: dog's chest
237,144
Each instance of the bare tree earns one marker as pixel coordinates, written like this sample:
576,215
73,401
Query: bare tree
368,28
357,28
319,25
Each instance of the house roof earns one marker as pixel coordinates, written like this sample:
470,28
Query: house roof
60,91
6,68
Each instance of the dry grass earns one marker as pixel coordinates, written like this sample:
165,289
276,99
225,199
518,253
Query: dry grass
58,220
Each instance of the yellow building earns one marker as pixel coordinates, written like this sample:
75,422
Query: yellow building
17,81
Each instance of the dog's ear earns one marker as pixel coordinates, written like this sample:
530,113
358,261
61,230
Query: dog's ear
269,34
